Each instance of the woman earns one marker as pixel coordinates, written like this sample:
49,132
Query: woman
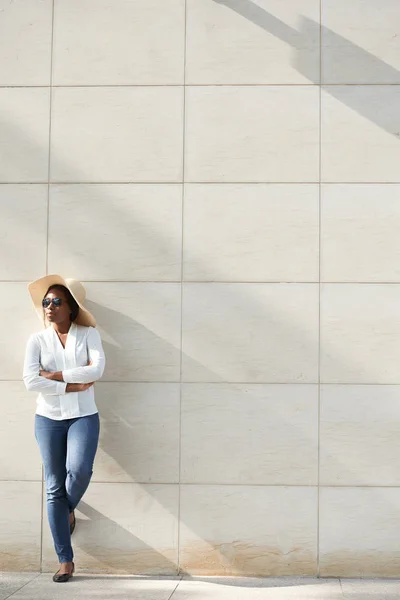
61,364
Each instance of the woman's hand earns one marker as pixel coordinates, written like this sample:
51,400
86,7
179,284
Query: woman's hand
78,387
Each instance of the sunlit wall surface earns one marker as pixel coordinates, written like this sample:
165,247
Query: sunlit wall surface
223,176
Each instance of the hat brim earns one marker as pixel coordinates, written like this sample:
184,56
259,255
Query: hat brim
38,289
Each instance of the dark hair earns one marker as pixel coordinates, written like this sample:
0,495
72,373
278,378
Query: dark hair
72,303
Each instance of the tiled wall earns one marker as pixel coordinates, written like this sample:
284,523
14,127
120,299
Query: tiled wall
224,177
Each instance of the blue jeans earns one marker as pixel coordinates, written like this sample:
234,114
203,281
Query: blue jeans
67,448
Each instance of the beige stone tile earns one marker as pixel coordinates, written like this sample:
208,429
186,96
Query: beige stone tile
360,42
18,447
360,138
360,333
251,133
360,435
249,434
25,42
140,328
256,333
23,231
18,323
98,42
20,514
264,42
359,233
248,530
139,434
24,144
117,134
269,232
116,232
124,528
359,532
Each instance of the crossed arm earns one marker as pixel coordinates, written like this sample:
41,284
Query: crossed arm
70,387
77,379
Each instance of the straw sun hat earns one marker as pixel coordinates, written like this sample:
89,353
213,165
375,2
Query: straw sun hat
38,289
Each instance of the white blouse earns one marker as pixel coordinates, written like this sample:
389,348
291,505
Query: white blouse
45,351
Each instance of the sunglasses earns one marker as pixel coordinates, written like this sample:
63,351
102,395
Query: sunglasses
55,301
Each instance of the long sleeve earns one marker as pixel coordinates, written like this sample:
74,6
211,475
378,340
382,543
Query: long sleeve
33,381
95,370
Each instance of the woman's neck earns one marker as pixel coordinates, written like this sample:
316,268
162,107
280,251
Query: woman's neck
62,328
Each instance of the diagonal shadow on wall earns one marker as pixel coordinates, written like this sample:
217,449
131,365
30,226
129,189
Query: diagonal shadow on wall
300,38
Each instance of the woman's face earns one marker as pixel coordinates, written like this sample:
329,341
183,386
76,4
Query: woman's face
57,314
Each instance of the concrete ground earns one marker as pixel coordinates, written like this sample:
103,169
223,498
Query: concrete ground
36,586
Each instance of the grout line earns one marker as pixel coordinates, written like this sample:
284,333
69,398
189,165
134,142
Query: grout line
49,147
41,519
319,288
22,586
48,199
194,182
181,290
251,383
295,283
176,587
395,486
21,480
244,383
221,282
202,85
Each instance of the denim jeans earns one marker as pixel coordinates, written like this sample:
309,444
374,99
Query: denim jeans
67,448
